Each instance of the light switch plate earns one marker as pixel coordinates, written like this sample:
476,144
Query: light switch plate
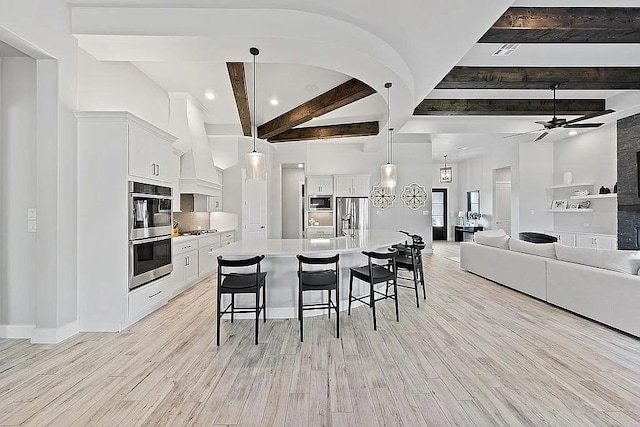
32,226
31,214
425,212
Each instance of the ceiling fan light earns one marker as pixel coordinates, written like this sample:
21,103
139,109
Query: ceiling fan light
389,175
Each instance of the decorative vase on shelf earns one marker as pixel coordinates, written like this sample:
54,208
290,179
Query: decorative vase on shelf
567,177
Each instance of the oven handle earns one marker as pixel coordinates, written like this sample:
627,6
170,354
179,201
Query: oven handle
150,239
150,196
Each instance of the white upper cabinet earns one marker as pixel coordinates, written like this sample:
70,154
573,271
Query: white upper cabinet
150,156
352,185
320,184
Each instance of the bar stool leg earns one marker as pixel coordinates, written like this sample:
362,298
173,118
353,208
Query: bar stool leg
395,290
329,302
373,306
264,303
233,300
350,291
415,283
424,290
337,311
257,313
300,317
218,319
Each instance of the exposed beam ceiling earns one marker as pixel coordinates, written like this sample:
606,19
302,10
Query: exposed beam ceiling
341,95
566,25
506,107
239,85
326,132
585,78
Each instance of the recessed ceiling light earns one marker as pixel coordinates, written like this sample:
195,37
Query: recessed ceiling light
300,165
273,101
209,95
573,132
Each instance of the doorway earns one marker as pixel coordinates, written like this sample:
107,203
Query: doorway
502,199
292,201
439,213
254,208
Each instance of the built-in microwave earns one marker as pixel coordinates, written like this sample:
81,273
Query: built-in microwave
320,203
149,210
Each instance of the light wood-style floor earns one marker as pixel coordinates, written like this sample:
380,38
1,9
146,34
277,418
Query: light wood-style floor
475,354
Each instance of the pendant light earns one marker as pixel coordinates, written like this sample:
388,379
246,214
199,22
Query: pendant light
255,162
389,171
446,174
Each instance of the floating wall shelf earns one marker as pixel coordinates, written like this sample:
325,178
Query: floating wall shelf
595,196
569,210
578,184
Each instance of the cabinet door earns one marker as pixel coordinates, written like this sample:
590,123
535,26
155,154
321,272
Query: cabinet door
360,185
175,182
343,185
326,184
567,239
206,262
214,204
314,185
190,266
149,156
604,242
585,241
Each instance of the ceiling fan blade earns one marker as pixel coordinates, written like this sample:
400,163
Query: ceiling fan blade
545,124
584,125
591,116
523,133
541,136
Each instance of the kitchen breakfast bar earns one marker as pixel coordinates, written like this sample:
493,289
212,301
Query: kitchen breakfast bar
281,265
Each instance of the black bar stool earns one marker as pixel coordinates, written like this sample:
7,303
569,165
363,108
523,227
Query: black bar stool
234,283
319,280
373,273
409,258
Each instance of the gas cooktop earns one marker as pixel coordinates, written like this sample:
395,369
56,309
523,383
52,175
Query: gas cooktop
197,232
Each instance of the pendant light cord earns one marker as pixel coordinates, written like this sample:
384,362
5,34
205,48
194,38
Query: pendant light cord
389,128
254,51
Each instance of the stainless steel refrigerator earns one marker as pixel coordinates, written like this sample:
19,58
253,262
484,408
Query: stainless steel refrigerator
352,215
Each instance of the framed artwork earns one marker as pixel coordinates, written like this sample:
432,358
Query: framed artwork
414,196
382,197
574,206
558,205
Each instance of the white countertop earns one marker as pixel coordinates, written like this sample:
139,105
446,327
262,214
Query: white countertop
369,240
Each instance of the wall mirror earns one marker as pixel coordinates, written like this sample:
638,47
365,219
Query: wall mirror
473,201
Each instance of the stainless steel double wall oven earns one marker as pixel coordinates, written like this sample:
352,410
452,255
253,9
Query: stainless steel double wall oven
150,223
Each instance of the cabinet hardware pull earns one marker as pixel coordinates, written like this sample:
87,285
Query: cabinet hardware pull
157,293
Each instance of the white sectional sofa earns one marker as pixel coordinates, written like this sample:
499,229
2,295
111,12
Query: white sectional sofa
609,297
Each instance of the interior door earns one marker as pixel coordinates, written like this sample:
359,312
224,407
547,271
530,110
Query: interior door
439,213
254,209
503,206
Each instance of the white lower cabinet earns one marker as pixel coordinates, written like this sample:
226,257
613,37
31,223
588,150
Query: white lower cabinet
585,240
147,298
207,261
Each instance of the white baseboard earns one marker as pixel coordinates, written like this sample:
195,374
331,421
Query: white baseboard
54,335
16,331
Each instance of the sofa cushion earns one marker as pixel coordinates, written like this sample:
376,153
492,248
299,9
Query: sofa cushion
620,261
546,250
496,238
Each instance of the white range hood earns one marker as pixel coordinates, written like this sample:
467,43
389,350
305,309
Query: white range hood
197,168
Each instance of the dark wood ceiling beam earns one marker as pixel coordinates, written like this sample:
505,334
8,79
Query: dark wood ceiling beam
341,95
507,107
330,131
580,78
239,85
566,25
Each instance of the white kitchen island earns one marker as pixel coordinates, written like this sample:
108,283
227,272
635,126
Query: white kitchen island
281,265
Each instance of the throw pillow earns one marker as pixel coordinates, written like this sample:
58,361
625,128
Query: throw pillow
620,261
546,250
495,238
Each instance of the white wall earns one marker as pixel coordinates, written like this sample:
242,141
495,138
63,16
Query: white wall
120,86
590,157
291,214
18,193
536,171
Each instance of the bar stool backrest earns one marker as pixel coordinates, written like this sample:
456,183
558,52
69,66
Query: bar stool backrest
317,261
389,256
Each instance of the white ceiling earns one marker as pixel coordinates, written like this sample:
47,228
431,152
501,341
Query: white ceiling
307,44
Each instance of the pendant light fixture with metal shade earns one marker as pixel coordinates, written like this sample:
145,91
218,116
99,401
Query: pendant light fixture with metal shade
446,174
389,171
255,162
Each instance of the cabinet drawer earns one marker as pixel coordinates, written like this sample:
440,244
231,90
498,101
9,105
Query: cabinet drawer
146,297
231,235
179,248
208,240
313,232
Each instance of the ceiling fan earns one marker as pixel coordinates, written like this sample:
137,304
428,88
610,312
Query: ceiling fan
556,122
